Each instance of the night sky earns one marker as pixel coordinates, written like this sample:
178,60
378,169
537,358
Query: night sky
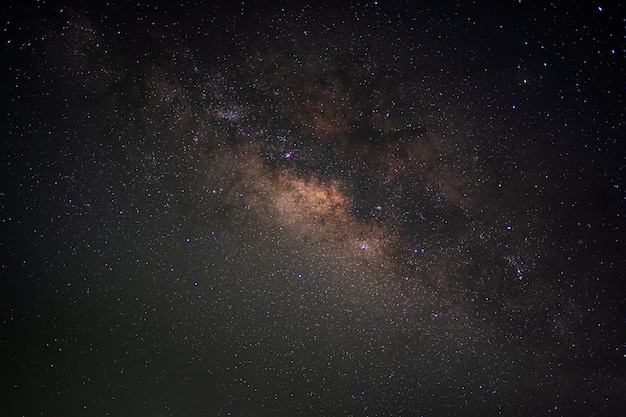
381,208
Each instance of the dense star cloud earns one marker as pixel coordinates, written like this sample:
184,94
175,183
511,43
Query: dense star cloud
379,208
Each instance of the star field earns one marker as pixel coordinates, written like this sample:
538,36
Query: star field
276,208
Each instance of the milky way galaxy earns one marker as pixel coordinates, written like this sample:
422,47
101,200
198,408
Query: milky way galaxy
278,209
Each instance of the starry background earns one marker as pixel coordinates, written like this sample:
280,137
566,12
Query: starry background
387,208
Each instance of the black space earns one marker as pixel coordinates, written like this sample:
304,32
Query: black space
382,208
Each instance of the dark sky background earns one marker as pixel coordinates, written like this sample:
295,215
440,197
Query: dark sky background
382,208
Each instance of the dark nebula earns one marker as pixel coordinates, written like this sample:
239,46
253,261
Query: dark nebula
376,208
